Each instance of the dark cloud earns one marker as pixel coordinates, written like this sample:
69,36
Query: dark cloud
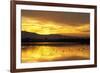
71,18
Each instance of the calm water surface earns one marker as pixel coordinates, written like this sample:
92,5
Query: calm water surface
46,51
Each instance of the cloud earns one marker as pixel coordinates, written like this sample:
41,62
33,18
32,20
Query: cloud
61,18
48,27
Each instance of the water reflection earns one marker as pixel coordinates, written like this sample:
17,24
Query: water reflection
41,52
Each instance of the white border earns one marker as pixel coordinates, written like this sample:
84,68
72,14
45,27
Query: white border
20,65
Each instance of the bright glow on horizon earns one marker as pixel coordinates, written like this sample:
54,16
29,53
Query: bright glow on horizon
50,27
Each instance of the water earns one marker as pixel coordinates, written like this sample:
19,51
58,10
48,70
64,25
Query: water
49,51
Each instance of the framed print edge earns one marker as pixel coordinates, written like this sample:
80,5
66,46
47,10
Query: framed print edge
13,36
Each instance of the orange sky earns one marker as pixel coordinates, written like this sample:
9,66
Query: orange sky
46,22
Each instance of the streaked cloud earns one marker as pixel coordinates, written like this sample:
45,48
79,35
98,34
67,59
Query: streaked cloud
42,24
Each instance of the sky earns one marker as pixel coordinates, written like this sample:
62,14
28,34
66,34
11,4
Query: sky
51,22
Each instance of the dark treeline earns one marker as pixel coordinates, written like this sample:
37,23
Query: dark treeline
33,37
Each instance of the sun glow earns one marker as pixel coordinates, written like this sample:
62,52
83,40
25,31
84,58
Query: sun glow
49,27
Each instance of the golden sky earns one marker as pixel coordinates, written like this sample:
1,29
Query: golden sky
47,22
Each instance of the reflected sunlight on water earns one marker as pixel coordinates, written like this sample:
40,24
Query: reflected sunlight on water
43,53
